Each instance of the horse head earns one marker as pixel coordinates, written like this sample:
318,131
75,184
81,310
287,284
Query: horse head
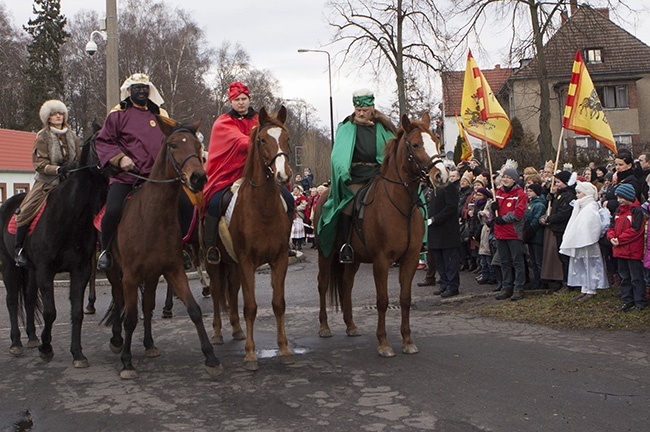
423,150
271,141
184,152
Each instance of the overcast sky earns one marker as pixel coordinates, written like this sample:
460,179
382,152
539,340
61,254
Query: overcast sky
272,32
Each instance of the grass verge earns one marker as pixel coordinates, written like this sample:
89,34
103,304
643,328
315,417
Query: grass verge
561,311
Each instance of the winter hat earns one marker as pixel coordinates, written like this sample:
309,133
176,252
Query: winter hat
625,190
236,88
512,173
363,98
537,188
565,177
485,192
587,189
50,107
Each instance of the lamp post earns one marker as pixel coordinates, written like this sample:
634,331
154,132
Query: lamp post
112,82
329,70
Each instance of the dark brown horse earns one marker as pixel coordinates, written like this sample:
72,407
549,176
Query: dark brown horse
260,231
149,244
391,231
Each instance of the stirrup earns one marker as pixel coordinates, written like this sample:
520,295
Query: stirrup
346,254
215,251
105,260
21,257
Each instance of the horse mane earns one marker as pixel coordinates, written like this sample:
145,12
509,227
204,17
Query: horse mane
390,151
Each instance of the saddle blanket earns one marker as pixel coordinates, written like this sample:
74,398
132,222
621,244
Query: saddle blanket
12,227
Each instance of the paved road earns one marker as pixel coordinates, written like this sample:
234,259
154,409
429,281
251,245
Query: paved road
472,374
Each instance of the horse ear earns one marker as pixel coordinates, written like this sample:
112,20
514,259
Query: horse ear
196,125
405,122
264,116
426,119
282,114
166,124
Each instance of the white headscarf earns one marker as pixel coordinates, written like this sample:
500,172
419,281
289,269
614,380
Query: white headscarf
587,189
140,78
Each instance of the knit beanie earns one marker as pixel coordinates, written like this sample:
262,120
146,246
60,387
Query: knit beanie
512,173
537,188
485,192
625,190
564,177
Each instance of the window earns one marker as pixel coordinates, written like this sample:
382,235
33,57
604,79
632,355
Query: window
623,141
3,192
21,188
594,55
613,96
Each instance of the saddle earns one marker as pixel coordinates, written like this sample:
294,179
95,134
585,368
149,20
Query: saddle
360,201
12,227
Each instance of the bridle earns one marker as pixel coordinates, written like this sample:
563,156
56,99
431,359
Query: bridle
178,167
269,164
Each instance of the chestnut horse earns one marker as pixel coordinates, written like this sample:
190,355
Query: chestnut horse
391,231
260,230
149,244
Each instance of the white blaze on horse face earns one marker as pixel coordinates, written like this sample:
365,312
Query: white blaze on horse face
431,148
280,161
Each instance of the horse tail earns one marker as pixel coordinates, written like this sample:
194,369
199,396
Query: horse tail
335,286
109,318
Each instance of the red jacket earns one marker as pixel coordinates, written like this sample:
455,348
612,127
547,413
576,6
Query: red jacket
229,145
629,223
512,208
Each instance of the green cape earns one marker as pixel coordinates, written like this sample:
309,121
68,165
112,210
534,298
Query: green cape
340,195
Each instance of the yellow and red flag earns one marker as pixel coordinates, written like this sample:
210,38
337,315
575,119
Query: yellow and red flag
466,154
482,115
583,112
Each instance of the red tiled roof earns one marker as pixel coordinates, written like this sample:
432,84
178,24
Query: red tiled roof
452,86
16,149
590,28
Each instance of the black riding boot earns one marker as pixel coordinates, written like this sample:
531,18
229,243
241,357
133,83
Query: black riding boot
21,255
210,234
346,254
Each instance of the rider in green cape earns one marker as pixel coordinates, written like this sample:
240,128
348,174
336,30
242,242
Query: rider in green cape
356,157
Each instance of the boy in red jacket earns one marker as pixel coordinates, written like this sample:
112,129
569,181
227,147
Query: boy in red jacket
626,237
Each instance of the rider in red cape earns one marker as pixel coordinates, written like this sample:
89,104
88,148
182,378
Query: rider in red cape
130,140
229,146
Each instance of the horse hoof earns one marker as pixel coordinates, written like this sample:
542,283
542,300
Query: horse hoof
17,351
325,333
167,313
80,364
238,335
205,292
116,349
128,374
410,349
33,343
251,365
151,352
217,340
287,359
353,332
46,356
214,371
90,310
386,352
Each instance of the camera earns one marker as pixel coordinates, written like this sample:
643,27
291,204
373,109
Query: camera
91,48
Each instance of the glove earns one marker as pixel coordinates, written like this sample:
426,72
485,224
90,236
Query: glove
494,207
499,221
65,169
429,221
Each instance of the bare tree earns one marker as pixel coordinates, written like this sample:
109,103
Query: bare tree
400,37
13,59
532,23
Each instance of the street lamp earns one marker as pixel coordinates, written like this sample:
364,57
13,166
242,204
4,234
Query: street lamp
329,70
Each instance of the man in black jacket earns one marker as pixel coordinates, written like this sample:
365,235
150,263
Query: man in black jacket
444,237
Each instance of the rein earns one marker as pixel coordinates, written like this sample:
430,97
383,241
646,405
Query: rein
267,165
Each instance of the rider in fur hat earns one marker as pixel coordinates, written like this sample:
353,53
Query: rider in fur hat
55,153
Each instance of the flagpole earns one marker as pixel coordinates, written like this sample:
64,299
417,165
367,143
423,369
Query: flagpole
487,150
557,162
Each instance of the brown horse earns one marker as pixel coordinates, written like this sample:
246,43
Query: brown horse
149,244
260,229
391,231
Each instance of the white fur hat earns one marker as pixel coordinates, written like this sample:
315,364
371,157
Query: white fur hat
51,106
